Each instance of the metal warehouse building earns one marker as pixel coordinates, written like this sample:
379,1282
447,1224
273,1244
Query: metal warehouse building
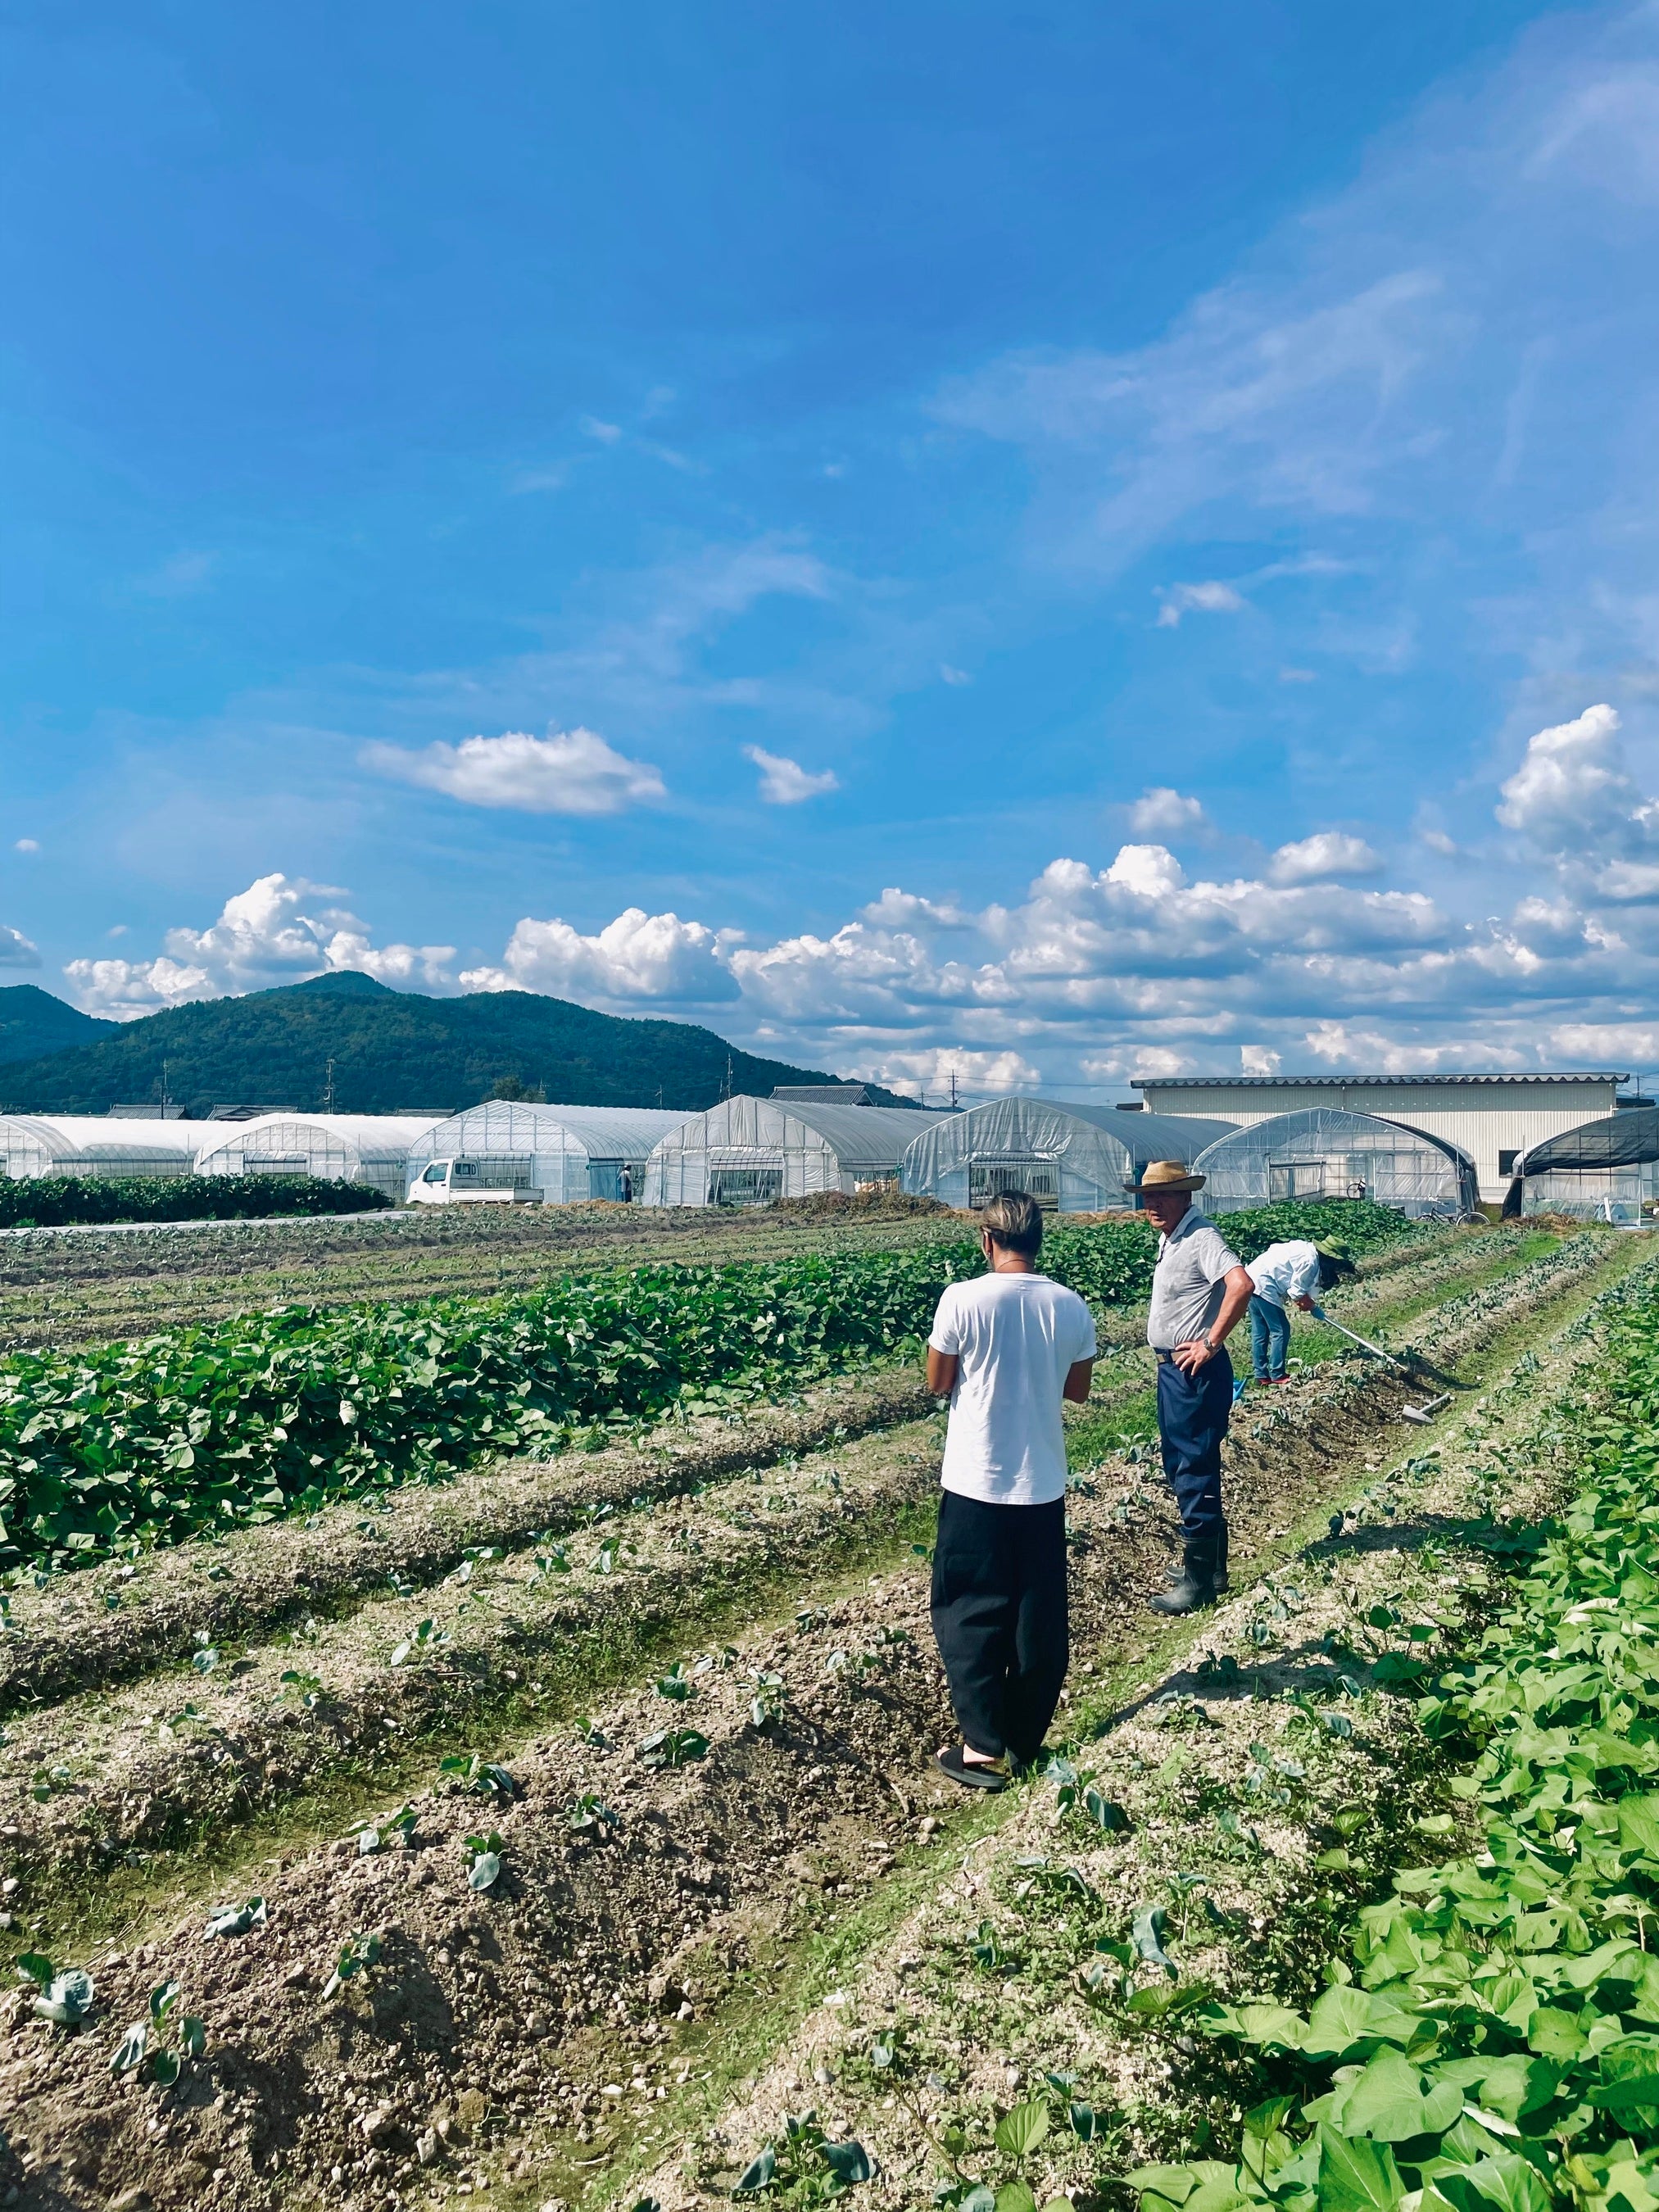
558,1153
1492,1118
373,1148
750,1151
1073,1159
1325,1153
94,1145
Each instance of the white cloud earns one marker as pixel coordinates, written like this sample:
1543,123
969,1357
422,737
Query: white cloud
1439,841
956,675
16,949
637,955
1327,853
1297,676
1163,813
180,578
26,845
785,782
1211,599
569,772
1258,1060
605,434
274,932
931,1070
1572,791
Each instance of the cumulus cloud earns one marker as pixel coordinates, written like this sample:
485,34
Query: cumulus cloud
785,782
954,676
1327,853
1211,599
568,771
1572,792
1258,1060
26,845
637,955
16,950
930,1071
279,930
1163,813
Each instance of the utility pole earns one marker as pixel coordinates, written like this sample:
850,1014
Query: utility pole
726,1087
660,1096
166,1101
953,1091
328,1089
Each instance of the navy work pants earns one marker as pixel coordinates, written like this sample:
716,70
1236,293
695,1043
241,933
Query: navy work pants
999,1618
1192,1419
1270,1340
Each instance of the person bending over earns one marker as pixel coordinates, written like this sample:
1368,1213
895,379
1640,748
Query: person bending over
1006,1349
1292,1273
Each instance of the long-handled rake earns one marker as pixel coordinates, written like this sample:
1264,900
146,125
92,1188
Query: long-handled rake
1410,1363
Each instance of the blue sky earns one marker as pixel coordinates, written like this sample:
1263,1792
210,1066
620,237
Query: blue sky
1038,543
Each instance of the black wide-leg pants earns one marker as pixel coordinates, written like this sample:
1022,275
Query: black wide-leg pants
999,1618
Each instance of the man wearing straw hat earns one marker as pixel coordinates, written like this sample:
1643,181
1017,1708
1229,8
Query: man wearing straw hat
1199,1288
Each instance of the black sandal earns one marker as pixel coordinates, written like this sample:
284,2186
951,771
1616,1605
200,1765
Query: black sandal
953,1763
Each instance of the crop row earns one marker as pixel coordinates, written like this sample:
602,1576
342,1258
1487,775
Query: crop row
60,1202
1495,2039
188,1430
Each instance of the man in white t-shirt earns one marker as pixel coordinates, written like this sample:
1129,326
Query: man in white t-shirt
1006,1349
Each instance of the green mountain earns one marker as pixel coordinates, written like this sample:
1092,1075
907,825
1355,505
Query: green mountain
33,1023
383,1050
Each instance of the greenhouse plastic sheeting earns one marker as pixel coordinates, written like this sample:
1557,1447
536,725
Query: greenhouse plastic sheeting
750,1151
1071,1158
95,1144
371,1148
1604,1170
562,1153
1324,1152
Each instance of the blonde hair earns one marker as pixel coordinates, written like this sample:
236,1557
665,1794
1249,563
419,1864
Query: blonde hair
1014,1220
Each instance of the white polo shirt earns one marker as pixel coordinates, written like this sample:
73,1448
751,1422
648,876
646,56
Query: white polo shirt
1015,1338
1186,1282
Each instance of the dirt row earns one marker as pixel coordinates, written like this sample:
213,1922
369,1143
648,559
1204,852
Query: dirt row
498,1640
1266,1790
114,1623
538,2008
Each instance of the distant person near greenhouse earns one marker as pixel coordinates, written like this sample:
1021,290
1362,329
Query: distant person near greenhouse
1005,1348
1293,1274
1200,1288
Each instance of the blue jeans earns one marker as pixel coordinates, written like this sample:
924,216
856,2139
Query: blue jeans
1270,1340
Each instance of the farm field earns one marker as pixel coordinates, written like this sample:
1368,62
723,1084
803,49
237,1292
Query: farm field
586,1804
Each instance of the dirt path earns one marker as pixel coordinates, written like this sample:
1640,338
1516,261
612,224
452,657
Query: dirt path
511,2025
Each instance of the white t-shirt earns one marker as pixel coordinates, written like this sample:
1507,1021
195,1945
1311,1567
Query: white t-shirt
1286,1271
1016,1338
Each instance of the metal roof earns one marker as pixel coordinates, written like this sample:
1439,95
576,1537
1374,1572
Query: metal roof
1351,1082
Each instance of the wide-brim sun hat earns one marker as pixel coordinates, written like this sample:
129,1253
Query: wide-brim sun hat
1331,1248
1166,1175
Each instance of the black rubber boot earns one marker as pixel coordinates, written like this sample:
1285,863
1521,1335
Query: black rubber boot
1179,1574
1197,1585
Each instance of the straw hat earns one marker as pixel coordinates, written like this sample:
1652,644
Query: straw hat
1167,1175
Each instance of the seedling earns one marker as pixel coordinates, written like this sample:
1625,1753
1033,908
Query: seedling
359,1954
64,1999
148,2047
555,1560
395,1832
588,1815
804,2167
673,1748
428,1638
589,1732
482,1775
308,1688
484,1852
769,1700
237,1919
677,1684
46,1780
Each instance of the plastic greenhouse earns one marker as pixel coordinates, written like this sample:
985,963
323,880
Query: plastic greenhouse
1605,1170
371,1148
1324,1152
94,1145
558,1153
1073,1159
750,1151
